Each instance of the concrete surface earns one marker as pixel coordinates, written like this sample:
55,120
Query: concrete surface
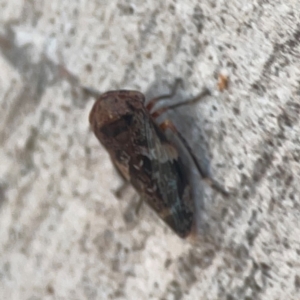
64,235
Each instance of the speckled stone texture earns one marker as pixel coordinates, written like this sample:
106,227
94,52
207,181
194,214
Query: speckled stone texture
64,234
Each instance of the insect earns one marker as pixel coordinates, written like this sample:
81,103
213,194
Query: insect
139,148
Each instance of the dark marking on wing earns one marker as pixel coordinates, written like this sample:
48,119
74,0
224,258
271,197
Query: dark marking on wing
117,127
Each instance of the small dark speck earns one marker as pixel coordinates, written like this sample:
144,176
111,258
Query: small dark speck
297,282
250,237
126,9
261,122
88,68
224,212
286,244
240,166
236,111
73,31
246,194
199,19
172,9
148,55
214,108
2,192
50,289
168,263
265,268
230,297
289,180
285,158
75,12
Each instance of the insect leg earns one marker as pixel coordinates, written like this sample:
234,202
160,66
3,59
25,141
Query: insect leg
120,190
91,92
158,112
138,206
212,182
153,101
200,96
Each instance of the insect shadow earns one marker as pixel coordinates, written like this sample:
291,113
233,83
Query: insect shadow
180,108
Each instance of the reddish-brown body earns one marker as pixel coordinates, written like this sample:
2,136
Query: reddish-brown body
144,156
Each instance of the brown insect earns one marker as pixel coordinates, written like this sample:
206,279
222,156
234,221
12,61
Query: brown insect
145,157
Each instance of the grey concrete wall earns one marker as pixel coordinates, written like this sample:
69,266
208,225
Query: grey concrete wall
64,235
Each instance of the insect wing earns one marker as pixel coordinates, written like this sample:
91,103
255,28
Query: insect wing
162,180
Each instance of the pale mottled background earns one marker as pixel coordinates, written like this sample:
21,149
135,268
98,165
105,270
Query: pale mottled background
64,235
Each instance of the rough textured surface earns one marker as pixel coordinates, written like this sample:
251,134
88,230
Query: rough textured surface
64,235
